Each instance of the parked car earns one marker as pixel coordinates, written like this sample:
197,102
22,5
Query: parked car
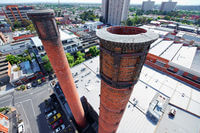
60,128
52,113
54,118
28,86
57,123
34,84
48,109
43,79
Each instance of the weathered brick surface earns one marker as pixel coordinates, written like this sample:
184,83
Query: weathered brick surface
120,66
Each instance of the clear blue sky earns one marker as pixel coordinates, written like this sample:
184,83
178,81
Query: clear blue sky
180,2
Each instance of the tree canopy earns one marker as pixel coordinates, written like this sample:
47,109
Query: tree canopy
88,15
70,59
80,58
93,51
18,58
47,65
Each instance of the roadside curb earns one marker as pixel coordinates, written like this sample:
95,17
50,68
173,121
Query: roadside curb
6,92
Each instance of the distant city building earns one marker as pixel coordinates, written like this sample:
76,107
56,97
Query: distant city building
4,71
15,12
29,70
115,11
71,43
93,26
15,48
168,6
148,5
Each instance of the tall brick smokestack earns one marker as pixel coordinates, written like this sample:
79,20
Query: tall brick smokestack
45,24
122,54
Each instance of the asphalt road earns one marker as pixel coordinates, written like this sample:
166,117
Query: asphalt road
30,106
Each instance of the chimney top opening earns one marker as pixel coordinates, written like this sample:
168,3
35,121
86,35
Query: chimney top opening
125,30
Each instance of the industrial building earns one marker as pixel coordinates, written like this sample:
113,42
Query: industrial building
168,6
114,12
117,73
148,5
16,13
150,85
15,48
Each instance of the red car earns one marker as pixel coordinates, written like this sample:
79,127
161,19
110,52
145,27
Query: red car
57,123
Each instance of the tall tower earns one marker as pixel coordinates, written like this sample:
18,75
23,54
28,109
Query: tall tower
148,5
123,53
45,24
168,6
115,11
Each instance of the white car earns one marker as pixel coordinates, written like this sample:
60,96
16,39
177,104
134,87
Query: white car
52,113
60,128
21,128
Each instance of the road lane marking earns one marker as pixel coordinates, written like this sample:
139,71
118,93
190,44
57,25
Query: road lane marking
33,108
26,116
31,104
5,101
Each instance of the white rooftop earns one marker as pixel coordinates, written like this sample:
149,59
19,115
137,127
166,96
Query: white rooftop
160,48
171,51
150,82
185,56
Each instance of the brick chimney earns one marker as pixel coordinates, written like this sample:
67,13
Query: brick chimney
123,52
45,24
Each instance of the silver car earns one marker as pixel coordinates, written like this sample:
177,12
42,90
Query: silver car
52,113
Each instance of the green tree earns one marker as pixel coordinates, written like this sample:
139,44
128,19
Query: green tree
80,54
47,65
58,22
26,22
93,51
80,58
167,17
70,59
88,15
12,59
198,22
129,22
31,28
17,24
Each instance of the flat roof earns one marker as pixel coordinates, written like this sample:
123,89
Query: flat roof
36,40
179,124
64,35
156,42
150,82
196,62
160,48
185,56
170,53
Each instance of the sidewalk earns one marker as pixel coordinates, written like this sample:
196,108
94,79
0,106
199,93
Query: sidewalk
6,90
